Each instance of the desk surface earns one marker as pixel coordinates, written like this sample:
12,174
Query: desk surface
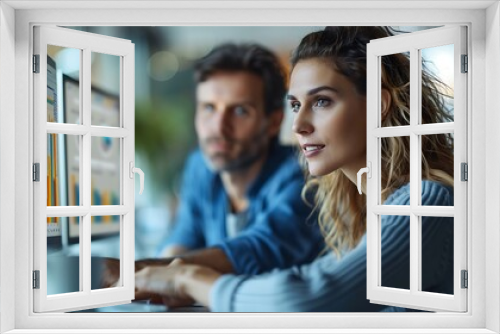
145,307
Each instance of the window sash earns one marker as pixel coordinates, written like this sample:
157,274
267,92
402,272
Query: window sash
86,43
413,43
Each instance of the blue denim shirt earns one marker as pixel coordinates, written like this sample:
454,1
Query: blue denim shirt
280,230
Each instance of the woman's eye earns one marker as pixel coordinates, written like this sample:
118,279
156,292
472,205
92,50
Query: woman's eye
295,106
322,103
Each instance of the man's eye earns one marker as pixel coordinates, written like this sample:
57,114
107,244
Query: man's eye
208,107
295,106
240,111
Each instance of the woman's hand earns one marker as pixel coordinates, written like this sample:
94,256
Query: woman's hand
178,283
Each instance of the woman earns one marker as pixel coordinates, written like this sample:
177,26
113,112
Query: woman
328,96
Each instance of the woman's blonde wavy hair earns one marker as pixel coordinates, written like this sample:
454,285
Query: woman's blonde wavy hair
341,210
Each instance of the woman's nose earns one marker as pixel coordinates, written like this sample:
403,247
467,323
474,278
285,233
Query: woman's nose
302,124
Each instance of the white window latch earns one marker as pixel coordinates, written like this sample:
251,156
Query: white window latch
368,171
133,170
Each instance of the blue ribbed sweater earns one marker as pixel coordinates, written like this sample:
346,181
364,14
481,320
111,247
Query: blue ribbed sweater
329,284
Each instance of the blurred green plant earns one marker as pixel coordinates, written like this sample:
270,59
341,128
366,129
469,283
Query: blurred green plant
164,135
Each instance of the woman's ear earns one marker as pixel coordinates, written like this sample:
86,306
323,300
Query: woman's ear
386,103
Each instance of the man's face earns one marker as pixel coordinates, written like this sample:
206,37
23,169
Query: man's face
232,126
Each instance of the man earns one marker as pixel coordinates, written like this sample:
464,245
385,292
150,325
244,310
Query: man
241,209
241,190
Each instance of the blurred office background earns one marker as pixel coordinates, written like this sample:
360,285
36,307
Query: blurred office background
164,125
165,106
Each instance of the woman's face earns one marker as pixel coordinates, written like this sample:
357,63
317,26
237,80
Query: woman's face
330,117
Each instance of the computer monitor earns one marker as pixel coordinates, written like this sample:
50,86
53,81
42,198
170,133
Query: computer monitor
105,161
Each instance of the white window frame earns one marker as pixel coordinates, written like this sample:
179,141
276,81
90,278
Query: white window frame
86,43
413,43
483,20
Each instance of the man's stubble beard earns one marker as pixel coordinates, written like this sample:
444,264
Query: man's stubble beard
239,163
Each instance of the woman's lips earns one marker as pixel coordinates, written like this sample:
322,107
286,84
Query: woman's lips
312,150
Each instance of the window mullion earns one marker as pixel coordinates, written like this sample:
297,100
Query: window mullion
109,210
66,129
406,210
104,131
85,166
414,170
78,211
422,129
433,129
67,211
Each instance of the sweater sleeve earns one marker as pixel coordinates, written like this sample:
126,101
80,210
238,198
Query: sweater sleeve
331,285
324,285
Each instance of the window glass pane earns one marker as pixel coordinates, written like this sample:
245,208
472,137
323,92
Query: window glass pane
437,254
106,170
63,262
437,165
394,169
63,81
437,84
63,170
395,76
105,90
105,231
395,251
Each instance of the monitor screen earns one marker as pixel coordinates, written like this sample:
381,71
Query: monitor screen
105,158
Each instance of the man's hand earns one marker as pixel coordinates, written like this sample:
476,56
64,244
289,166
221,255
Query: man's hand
163,281
179,283
111,275
209,264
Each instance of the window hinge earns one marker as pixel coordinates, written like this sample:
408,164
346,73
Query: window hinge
36,279
36,172
465,64
36,63
465,279
465,171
